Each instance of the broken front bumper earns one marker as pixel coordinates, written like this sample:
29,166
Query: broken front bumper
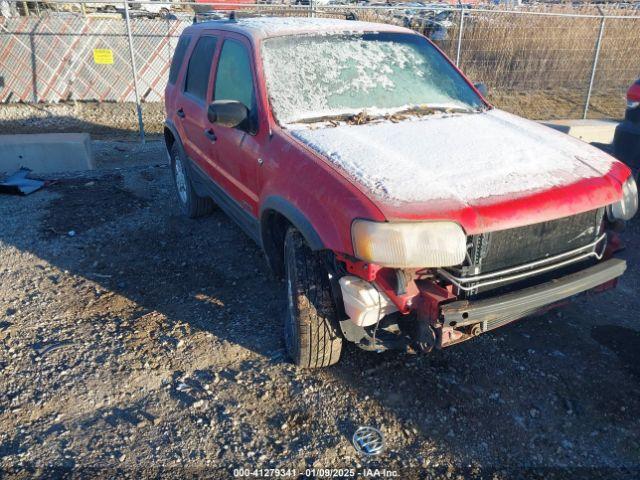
485,315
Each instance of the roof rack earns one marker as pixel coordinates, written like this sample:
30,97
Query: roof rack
202,17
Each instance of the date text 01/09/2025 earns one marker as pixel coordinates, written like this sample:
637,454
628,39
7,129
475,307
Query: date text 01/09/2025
315,473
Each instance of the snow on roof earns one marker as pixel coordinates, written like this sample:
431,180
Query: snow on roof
467,157
272,26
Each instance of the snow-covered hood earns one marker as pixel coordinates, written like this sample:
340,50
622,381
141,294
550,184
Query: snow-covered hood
461,160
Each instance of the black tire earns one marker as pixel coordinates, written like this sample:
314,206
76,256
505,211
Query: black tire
311,330
191,204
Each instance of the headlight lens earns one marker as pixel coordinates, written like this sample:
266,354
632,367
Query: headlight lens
409,245
626,208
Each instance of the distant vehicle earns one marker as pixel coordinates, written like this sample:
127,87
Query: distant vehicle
210,15
433,23
633,102
155,8
317,2
402,210
437,28
202,6
626,142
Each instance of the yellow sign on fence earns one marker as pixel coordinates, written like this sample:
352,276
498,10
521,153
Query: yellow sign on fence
103,56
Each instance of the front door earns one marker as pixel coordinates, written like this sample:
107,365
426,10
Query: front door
237,151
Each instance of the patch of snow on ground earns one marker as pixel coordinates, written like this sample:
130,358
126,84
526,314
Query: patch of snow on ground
467,157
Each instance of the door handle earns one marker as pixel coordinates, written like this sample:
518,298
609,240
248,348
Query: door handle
180,113
210,134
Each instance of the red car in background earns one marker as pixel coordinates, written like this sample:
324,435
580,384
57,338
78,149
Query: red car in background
626,141
401,209
203,6
633,99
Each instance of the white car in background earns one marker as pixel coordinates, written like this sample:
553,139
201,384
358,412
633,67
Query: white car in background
155,7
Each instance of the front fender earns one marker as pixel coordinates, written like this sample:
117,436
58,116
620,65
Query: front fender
311,195
295,217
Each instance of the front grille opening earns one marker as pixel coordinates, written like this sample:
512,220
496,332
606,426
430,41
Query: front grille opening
495,251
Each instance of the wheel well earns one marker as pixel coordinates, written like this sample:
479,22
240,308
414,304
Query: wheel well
169,139
274,227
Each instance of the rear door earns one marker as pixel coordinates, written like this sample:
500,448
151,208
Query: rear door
238,152
191,105
173,89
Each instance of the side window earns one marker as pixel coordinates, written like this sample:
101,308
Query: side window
178,57
200,67
234,80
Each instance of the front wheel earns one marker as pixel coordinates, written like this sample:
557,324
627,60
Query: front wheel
311,333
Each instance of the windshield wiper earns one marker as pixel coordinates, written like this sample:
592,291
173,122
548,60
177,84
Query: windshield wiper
363,117
359,118
431,109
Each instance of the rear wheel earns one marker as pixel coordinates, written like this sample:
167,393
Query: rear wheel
190,203
311,333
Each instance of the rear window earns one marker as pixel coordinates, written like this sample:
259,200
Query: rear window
178,56
200,67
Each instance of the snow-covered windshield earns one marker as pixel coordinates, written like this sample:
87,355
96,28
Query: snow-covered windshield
315,76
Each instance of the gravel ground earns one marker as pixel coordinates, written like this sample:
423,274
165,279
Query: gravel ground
136,342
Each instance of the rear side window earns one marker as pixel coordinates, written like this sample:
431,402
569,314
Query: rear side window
234,80
178,56
200,67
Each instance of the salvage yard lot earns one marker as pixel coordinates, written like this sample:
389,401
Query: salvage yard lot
135,340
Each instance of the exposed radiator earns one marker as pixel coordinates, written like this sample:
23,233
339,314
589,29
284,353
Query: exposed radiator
495,251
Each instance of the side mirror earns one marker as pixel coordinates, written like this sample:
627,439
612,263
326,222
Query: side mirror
228,113
482,88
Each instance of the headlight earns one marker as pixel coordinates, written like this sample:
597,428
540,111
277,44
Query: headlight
409,245
626,208
631,104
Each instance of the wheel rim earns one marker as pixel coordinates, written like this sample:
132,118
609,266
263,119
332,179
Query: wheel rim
181,180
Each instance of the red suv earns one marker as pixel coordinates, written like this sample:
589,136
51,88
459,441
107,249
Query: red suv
402,209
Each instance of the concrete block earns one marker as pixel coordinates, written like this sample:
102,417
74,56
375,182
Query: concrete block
46,152
599,131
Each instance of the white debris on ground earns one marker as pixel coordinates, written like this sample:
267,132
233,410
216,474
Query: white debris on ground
467,157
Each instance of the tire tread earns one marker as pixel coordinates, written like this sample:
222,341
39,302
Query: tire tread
320,343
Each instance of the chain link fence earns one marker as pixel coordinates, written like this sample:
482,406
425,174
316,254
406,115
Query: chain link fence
542,63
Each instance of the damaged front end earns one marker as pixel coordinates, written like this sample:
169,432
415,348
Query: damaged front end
506,275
